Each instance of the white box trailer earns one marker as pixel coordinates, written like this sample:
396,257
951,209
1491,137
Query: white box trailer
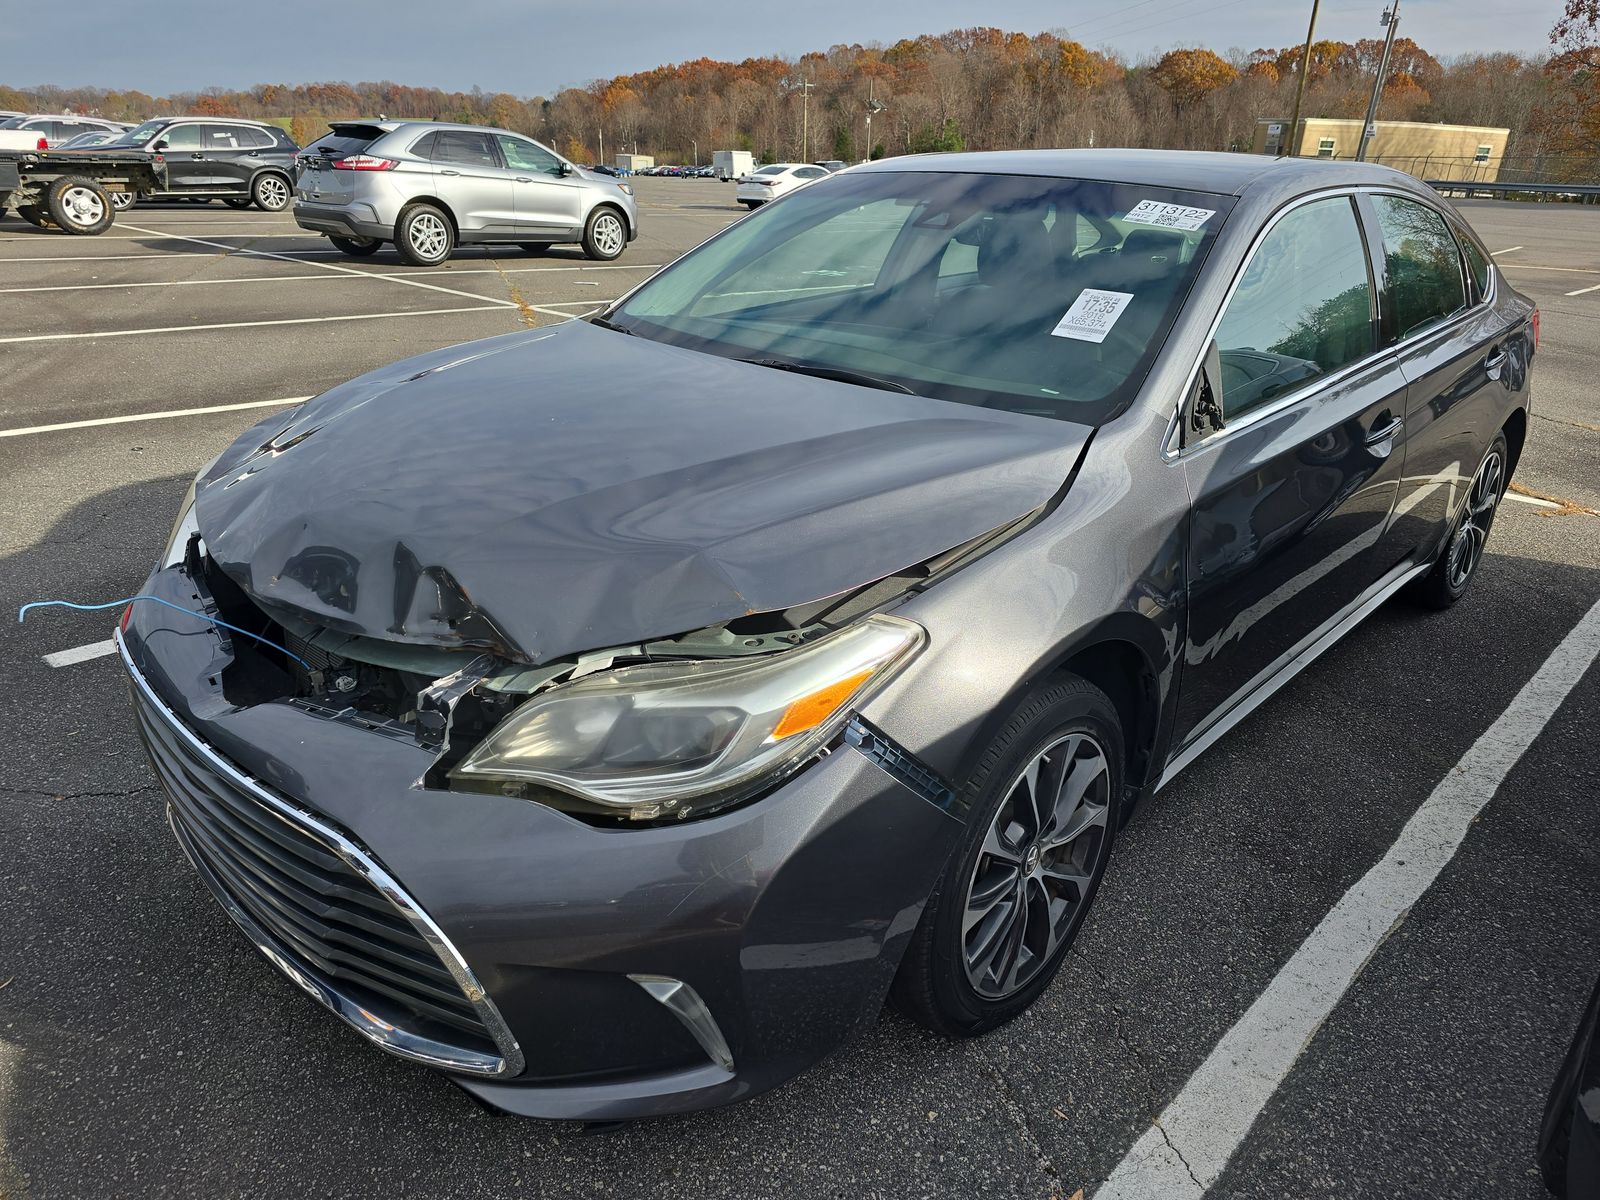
732,164
634,162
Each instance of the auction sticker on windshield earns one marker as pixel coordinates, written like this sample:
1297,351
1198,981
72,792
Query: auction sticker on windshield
1092,315
1169,216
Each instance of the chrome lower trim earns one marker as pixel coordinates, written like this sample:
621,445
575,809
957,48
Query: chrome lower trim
389,1037
1255,693
683,1002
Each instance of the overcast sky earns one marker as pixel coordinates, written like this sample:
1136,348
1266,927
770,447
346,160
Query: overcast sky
539,46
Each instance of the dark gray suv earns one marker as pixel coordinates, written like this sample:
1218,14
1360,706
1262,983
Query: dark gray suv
428,187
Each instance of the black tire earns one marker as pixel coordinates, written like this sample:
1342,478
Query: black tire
355,247
237,201
424,235
534,247
752,205
272,192
1462,554
34,215
79,205
605,234
1067,724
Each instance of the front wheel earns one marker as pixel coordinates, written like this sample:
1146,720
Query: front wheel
238,201
423,236
79,205
271,193
605,236
1044,801
355,247
535,248
1463,549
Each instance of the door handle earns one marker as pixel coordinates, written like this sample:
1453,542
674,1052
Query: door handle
523,179
449,172
1495,363
1383,432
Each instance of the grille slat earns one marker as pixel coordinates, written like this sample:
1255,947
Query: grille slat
324,915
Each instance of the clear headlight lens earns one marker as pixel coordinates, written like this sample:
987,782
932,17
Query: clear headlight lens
185,527
668,739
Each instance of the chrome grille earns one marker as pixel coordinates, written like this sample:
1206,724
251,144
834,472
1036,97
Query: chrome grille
322,909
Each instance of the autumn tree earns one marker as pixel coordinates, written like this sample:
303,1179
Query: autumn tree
1190,75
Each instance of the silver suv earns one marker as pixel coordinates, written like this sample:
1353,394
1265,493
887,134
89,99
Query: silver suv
427,187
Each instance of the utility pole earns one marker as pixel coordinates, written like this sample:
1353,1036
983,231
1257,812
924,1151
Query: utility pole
602,144
1300,89
805,117
874,107
1369,127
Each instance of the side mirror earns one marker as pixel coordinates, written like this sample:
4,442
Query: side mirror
160,145
566,169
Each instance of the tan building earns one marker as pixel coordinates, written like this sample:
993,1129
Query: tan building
1416,147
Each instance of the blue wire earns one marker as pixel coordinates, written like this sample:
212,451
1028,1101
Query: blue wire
22,615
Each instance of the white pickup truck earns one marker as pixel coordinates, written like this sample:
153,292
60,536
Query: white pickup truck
44,131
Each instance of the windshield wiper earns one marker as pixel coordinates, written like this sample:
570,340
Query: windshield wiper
612,325
837,373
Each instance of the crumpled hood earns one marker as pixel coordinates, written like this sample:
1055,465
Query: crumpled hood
572,488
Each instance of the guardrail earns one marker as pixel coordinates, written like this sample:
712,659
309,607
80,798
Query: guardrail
1584,192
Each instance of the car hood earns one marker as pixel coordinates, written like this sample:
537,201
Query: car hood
574,488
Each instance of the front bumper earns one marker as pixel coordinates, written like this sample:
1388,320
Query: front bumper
786,918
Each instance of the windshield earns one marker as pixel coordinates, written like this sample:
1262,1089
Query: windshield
138,135
1039,295
12,122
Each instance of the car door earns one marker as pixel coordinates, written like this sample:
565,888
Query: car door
226,157
1452,346
471,180
1294,473
183,145
546,197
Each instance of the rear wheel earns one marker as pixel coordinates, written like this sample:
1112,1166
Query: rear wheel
79,205
123,201
605,236
271,192
355,247
752,205
1463,550
424,236
1044,802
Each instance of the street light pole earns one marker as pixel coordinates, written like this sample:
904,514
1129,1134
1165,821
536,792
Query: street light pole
696,146
1300,89
805,117
1369,127
873,108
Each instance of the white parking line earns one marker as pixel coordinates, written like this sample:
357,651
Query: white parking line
78,654
27,430
117,237
1507,250
1534,500
1186,1148
488,306
154,256
432,287
96,287
1537,267
1581,291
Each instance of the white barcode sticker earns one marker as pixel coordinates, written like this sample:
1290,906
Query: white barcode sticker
1169,216
1092,315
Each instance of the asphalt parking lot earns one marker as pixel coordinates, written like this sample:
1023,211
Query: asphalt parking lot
146,1050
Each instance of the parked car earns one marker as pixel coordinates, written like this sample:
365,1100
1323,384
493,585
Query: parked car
617,754
1569,1135
602,169
218,158
778,179
44,131
428,187
832,165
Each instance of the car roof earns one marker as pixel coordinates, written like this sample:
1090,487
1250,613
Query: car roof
390,124
218,120
1193,170
63,117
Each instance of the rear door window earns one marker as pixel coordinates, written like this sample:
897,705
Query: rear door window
1303,307
464,148
1477,264
223,137
1425,284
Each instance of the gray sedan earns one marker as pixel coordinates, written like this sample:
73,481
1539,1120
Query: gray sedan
429,187
620,754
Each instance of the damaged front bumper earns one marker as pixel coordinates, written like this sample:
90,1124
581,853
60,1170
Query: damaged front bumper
555,968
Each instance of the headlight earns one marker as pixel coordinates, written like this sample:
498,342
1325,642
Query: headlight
625,187
669,739
185,527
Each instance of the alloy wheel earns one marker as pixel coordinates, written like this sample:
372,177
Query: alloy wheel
83,205
1466,546
121,201
608,235
1036,867
428,235
273,193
